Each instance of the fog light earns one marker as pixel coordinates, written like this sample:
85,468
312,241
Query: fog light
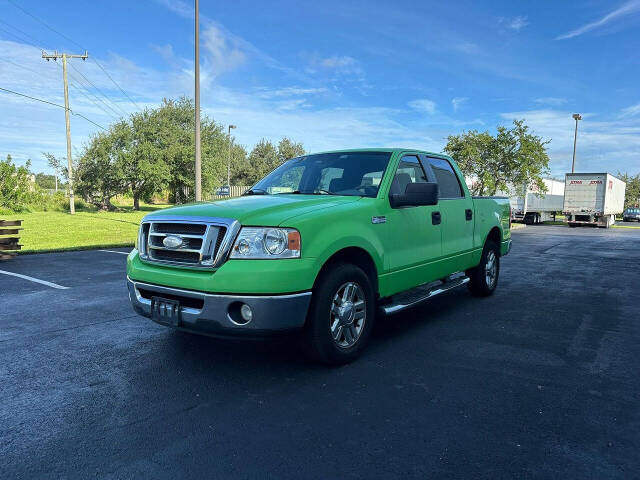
246,313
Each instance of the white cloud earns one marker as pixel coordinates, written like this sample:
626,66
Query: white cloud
603,144
28,128
552,101
423,105
339,62
631,111
456,102
515,23
290,92
626,9
339,65
222,52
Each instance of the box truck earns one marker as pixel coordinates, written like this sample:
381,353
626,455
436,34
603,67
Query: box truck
593,199
532,206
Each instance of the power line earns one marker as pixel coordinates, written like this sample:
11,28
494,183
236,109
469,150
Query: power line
21,40
114,82
45,24
32,98
51,103
97,89
20,66
85,93
23,33
82,88
78,45
88,120
72,112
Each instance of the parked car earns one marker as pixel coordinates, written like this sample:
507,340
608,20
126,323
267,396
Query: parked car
319,246
631,215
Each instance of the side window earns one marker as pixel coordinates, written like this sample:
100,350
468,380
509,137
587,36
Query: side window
409,171
448,183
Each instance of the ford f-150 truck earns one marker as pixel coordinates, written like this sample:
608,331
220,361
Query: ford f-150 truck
320,245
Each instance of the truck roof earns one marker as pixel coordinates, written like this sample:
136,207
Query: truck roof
384,149
590,173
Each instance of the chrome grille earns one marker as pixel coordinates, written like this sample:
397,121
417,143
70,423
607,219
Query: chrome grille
202,242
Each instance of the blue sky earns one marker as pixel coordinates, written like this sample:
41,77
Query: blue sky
336,74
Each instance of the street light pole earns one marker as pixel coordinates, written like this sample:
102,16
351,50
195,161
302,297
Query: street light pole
229,158
576,117
197,101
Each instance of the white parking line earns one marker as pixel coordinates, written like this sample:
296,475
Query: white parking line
35,280
115,251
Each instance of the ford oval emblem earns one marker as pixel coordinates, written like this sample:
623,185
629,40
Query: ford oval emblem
172,241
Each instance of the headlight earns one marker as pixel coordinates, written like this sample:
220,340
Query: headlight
266,242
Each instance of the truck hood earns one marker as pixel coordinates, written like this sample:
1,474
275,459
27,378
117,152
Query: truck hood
258,210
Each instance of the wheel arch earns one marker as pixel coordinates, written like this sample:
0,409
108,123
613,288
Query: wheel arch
356,256
495,235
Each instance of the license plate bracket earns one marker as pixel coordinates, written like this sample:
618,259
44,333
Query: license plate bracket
165,311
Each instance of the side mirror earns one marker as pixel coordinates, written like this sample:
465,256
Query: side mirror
415,195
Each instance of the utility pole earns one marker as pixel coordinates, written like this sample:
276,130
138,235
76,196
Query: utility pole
229,159
197,99
65,56
576,117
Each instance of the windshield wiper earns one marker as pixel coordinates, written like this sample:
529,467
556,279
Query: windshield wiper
323,192
298,192
255,191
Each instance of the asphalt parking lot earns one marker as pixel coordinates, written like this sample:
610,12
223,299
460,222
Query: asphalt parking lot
539,381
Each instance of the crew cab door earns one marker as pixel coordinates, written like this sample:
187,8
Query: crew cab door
456,209
413,233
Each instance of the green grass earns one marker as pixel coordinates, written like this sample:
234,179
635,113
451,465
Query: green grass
58,231
625,226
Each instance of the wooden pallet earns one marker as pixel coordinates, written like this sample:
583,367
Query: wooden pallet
9,246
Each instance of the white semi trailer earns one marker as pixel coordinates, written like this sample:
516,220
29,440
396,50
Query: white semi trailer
593,199
532,206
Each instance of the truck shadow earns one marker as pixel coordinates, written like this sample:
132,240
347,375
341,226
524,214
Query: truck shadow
287,351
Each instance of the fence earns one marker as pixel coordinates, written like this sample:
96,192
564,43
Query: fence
234,191
9,245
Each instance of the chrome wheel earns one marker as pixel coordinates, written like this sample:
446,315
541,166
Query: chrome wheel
348,314
491,268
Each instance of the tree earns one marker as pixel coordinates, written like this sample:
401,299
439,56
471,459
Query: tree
46,181
15,185
288,149
144,170
98,175
632,191
264,158
58,165
513,158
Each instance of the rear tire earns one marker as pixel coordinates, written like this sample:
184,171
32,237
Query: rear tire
484,277
341,315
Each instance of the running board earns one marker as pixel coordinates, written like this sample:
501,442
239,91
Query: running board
417,295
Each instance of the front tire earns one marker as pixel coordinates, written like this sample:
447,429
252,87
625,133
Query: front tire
484,277
341,315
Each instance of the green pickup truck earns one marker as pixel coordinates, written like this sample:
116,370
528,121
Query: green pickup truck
320,246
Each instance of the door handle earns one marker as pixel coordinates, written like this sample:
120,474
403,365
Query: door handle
468,213
436,218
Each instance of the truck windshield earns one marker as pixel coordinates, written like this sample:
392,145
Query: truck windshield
340,173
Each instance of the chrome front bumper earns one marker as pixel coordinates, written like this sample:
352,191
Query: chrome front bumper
217,314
